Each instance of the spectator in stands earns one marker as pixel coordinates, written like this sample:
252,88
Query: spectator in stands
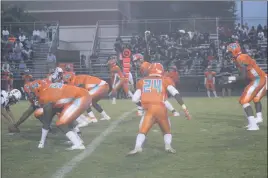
22,66
259,28
238,27
22,38
265,31
5,34
43,36
18,51
260,35
10,56
51,60
6,66
18,44
27,54
118,46
85,62
36,35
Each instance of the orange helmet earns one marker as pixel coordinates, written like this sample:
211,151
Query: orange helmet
138,57
156,69
144,67
112,61
67,78
234,48
38,85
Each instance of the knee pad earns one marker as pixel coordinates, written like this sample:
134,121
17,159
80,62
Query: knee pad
38,113
246,105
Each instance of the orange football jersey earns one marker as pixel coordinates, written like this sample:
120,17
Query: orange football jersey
253,70
116,70
174,75
87,80
154,89
58,91
209,76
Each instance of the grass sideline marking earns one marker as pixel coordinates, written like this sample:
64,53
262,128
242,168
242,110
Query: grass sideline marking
90,148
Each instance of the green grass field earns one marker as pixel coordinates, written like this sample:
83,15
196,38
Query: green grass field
213,144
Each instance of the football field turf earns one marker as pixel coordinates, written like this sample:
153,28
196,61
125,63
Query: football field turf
213,144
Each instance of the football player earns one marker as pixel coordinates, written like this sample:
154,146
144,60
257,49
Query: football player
143,67
255,90
118,79
151,93
69,101
96,87
210,81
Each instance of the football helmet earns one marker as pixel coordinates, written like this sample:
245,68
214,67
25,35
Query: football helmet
156,69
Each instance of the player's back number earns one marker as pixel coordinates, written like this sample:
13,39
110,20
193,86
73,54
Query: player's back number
152,84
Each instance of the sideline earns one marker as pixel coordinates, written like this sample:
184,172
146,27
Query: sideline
90,148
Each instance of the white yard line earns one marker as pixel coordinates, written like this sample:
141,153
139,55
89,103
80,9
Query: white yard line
70,165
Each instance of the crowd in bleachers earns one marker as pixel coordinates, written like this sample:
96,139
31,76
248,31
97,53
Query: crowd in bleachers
185,47
17,50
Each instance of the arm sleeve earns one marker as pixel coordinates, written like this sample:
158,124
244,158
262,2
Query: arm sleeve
172,90
136,97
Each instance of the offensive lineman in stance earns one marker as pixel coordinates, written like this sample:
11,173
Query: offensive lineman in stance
96,87
256,88
69,101
151,93
144,66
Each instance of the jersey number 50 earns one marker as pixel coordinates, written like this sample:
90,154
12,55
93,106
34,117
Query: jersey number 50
152,84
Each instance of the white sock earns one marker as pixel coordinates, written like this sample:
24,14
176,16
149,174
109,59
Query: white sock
73,137
81,119
44,135
167,139
91,114
103,113
76,129
130,93
259,115
215,94
139,140
251,120
169,106
208,92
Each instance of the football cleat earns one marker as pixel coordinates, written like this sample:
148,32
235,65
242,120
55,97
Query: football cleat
41,145
76,147
135,151
105,118
93,120
169,149
254,127
259,120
